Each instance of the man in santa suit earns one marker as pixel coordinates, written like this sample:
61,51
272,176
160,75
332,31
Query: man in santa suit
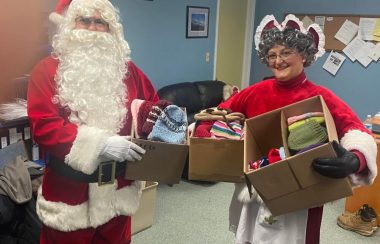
78,105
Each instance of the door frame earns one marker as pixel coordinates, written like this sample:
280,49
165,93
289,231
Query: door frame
248,42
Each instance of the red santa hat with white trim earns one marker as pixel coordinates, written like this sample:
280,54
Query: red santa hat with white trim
57,16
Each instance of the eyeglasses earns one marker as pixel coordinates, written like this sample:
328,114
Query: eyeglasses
86,22
283,55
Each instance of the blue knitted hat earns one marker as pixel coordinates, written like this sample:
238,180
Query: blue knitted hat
170,126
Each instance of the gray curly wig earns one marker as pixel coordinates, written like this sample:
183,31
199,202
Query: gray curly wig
290,38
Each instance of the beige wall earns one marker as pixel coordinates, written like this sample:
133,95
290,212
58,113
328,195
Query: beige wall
24,36
230,45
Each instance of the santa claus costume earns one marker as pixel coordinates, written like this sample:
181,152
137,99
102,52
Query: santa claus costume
77,98
248,215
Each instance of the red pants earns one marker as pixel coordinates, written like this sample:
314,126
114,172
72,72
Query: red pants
115,231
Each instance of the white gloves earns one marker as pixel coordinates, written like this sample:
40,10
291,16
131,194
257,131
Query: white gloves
119,148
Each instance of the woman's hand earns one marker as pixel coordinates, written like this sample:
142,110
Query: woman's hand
343,165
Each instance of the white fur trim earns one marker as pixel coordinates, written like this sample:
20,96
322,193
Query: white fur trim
366,144
124,201
55,18
86,148
105,203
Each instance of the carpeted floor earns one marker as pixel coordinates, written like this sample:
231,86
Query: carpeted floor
197,213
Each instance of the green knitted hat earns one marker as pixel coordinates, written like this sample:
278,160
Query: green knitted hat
309,133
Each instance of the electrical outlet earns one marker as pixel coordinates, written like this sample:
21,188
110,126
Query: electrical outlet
207,57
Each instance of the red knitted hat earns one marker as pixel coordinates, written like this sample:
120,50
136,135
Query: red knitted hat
154,113
142,115
57,16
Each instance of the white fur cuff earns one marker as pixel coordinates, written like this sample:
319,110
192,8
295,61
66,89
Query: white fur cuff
366,144
86,148
55,18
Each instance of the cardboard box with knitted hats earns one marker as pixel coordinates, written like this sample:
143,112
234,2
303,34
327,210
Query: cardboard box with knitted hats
290,184
163,162
217,160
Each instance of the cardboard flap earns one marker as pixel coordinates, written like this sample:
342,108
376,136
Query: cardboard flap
285,134
266,129
312,104
162,162
330,124
301,165
268,179
249,145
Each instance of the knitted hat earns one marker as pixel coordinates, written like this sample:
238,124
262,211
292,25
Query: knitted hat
309,147
274,155
170,126
57,16
309,133
229,130
153,115
203,129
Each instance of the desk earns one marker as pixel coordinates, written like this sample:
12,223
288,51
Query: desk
367,194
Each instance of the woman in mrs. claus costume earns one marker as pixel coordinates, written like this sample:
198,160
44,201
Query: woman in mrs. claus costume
286,49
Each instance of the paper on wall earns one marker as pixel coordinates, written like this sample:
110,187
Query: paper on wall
320,20
374,53
347,32
362,54
366,28
376,31
306,21
352,48
334,62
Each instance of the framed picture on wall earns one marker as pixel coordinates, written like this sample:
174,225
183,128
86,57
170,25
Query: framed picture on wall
197,22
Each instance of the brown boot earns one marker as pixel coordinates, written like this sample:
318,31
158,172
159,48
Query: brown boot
354,222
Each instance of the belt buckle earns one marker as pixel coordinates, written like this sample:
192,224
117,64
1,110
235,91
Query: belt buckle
113,173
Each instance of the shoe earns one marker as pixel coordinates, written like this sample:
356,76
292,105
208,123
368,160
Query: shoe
354,222
372,214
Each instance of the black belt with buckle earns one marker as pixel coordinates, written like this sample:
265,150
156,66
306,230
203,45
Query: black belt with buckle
104,174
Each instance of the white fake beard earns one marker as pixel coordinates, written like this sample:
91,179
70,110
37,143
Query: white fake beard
90,79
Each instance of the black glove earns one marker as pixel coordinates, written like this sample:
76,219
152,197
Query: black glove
346,163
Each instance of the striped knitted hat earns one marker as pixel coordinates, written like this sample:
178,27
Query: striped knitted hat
171,126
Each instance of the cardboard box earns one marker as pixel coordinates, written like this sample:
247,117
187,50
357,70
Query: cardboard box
217,160
144,216
291,184
162,162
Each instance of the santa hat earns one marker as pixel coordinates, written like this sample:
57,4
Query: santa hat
57,16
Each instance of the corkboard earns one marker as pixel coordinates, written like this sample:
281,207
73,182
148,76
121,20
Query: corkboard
331,27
